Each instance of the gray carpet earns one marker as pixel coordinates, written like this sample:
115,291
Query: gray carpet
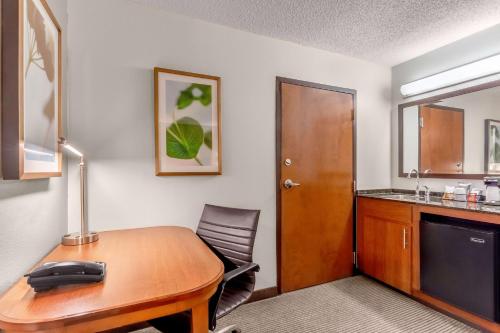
356,304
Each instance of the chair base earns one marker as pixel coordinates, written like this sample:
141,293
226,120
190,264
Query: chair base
229,329
181,323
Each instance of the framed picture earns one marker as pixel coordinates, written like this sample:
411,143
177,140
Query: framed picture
31,91
187,123
492,144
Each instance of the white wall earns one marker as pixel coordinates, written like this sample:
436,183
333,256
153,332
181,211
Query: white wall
33,214
472,48
114,46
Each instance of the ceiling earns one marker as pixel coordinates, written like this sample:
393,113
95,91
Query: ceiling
383,31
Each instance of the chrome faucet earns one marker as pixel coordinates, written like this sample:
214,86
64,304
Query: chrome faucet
417,189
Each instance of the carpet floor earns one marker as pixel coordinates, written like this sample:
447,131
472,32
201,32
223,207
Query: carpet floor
356,304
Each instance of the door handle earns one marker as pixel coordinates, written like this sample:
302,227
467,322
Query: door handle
404,238
288,183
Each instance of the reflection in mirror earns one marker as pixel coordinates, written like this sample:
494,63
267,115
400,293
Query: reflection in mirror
441,138
492,151
453,136
410,138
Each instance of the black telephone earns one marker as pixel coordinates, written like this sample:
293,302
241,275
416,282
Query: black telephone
53,274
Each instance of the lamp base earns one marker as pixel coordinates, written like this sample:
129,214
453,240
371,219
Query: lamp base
77,239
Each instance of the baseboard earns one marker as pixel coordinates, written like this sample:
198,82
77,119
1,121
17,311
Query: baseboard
261,294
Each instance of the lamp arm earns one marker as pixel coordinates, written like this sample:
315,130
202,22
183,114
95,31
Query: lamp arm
83,197
84,236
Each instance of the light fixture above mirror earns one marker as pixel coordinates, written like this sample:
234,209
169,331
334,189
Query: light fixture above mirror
472,71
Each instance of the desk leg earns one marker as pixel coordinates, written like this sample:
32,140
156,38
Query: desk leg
199,318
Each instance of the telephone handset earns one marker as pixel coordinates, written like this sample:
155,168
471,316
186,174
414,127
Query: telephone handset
53,274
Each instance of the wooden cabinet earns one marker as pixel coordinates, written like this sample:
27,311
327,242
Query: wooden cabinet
384,241
388,246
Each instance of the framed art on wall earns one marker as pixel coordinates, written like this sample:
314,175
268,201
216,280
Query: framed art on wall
492,144
187,123
31,91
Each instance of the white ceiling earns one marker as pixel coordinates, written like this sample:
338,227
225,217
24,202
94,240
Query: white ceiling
383,31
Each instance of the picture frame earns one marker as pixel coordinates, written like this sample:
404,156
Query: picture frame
492,147
31,91
187,111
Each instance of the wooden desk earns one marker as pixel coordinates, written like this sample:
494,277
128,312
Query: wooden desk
151,272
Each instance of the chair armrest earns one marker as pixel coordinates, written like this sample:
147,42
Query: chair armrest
250,267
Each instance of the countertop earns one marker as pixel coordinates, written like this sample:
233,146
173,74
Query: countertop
434,200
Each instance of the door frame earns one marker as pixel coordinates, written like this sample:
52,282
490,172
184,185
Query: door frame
278,132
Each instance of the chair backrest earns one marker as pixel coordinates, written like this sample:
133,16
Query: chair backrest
231,231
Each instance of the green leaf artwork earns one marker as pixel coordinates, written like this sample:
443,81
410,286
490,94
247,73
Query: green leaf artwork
207,139
195,92
184,139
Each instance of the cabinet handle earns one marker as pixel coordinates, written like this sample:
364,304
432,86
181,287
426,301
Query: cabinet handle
404,238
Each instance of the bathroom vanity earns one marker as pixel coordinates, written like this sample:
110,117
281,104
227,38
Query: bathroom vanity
388,242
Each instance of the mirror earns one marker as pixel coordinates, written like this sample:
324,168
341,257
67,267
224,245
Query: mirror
456,135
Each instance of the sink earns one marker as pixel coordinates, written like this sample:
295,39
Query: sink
408,197
435,199
398,196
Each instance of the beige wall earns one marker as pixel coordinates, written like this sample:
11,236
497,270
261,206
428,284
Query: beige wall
114,46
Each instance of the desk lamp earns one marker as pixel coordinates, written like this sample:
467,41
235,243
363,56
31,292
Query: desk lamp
84,236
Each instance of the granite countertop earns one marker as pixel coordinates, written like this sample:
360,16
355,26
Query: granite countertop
434,200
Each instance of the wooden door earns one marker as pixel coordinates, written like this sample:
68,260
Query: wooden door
315,150
384,242
441,139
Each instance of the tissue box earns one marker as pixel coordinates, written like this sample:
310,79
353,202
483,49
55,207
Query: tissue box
448,192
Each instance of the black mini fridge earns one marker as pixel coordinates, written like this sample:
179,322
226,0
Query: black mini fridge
459,264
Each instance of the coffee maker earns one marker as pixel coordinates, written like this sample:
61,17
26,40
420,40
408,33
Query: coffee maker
492,191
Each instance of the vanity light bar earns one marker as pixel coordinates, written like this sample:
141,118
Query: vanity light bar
474,70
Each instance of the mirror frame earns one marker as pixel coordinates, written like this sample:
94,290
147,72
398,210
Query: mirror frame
430,100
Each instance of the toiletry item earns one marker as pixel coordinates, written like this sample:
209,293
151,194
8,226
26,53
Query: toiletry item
474,195
473,206
461,191
448,192
460,194
448,203
492,191
466,186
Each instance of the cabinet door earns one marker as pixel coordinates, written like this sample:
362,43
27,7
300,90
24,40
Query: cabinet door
384,248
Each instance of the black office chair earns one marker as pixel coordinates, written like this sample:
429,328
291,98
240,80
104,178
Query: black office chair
230,234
